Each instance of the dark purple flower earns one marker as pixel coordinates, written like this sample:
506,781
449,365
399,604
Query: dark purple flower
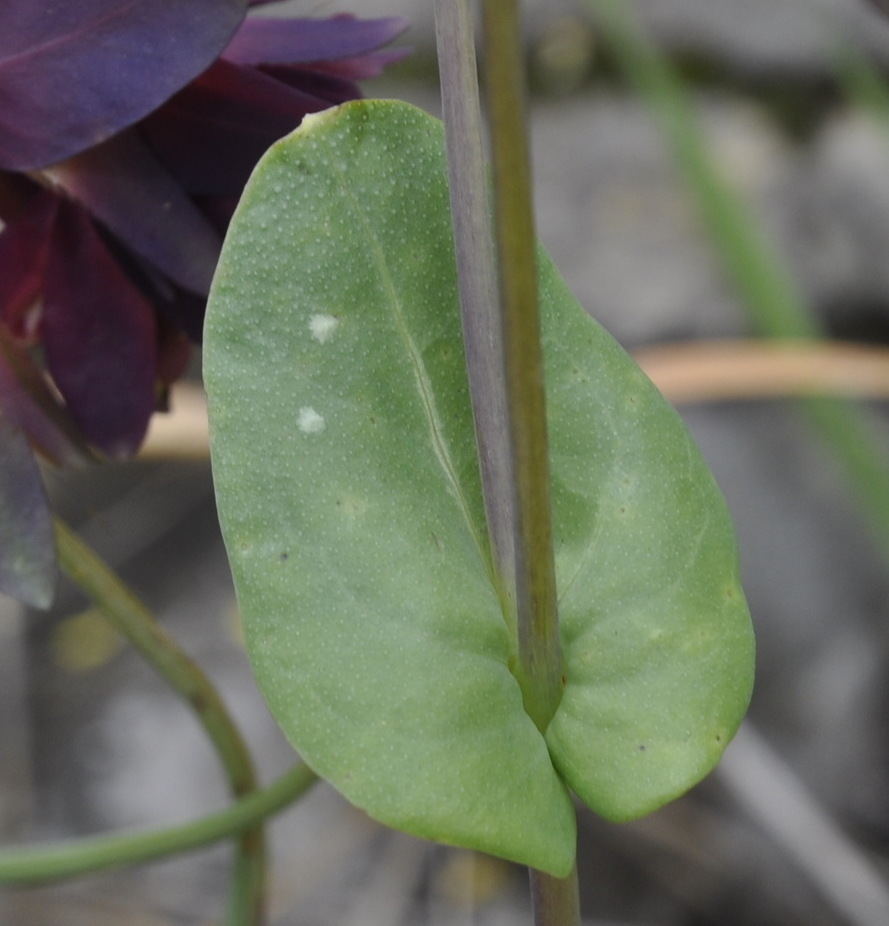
127,131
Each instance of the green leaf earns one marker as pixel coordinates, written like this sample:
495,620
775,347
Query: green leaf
657,638
348,488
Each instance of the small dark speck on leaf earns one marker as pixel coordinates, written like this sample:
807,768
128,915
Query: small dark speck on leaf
284,557
642,747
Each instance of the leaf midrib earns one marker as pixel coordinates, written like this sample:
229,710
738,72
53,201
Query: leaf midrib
424,385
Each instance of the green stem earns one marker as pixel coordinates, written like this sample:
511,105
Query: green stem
539,668
504,359
96,853
555,901
186,678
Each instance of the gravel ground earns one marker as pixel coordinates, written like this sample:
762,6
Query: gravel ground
794,827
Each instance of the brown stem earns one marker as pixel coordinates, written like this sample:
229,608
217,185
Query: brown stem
555,901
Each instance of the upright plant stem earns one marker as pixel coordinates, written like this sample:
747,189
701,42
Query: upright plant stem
477,279
136,622
555,901
539,668
504,359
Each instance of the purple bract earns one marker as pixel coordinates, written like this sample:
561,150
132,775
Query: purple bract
128,129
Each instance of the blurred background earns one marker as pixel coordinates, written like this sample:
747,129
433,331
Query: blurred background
794,826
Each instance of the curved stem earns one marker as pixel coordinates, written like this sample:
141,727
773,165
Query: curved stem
95,853
136,622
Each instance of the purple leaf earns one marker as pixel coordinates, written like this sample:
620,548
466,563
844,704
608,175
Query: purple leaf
99,335
73,73
329,88
298,41
187,312
173,354
16,191
212,133
362,67
124,186
27,548
24,251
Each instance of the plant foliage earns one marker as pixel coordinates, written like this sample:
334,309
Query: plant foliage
345,464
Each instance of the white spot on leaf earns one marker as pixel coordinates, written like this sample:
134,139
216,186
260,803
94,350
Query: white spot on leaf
310,422
322,327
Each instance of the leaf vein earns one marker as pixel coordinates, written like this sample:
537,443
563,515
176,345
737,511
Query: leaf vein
425,389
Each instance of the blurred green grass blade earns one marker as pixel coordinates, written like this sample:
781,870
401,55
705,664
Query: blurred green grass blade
773,303
863,84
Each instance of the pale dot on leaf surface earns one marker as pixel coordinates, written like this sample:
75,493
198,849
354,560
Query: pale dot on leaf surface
310,422
322,327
